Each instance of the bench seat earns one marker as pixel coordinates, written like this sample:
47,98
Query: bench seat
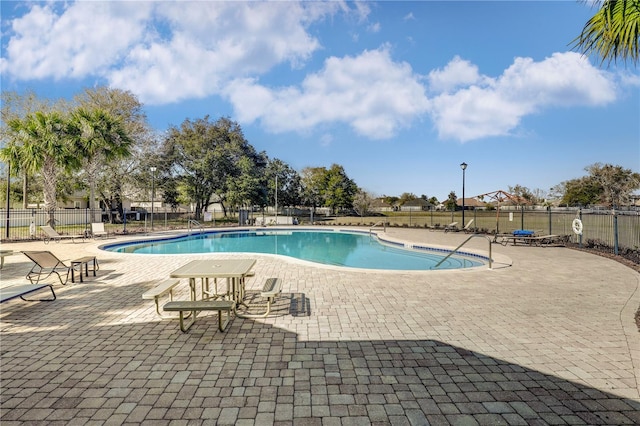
195,306
162,288
272,288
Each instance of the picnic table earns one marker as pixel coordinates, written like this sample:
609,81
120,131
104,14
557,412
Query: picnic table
233,270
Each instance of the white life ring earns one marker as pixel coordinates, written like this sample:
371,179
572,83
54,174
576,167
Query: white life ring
577,226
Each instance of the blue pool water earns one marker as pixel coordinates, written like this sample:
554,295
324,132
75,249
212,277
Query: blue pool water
350,249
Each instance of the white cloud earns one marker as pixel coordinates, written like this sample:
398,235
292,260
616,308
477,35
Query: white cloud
374,28
74,44
170,51
162,51
455,74
471,106
369,92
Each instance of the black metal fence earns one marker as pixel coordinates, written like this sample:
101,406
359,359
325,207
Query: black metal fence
24,224
612,231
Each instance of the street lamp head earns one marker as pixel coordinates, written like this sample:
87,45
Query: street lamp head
153,169
463,166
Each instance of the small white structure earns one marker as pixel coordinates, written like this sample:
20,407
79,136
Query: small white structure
274,220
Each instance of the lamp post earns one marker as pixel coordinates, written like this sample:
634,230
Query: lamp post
463,166
153,191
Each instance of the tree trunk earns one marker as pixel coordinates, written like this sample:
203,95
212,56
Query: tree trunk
49,178
25,187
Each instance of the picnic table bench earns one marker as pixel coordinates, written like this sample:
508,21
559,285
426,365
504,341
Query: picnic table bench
272,287
194,306
162,288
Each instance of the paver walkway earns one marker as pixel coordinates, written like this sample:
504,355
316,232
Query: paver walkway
550,339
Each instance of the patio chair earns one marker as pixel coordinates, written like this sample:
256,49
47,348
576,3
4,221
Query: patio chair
453,226
46,264
97,230
52,234
467,228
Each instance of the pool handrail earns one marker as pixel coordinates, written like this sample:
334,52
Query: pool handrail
463,243
193,222
383,222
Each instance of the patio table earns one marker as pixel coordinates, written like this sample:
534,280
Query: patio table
233,270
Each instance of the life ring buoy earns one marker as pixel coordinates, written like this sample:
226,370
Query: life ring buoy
577,226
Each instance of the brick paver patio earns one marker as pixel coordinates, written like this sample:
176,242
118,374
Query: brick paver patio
546,337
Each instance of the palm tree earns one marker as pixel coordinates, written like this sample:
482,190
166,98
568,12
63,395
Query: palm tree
613,32
40,143
98,138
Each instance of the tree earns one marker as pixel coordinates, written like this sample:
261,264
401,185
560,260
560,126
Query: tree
392,200
289,185
616,183
129,176
583,191
613,32
406,196
18,106
207,158
245,190
339,189
40,143
452,201
99,139
313,183
606,184
522,193
362,202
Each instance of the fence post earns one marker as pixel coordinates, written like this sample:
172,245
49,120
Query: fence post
615,231
549,214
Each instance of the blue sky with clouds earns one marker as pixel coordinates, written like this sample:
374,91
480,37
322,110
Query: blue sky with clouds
398,93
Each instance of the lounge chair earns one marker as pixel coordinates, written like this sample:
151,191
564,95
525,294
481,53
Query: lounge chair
52,234
453,226
13,292
46,264
97,230
467,228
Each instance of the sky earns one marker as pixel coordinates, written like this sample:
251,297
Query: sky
399,93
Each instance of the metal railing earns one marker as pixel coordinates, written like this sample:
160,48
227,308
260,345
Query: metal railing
194,223
383,222
465,242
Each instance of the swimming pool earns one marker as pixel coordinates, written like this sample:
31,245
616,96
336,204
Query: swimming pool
334,247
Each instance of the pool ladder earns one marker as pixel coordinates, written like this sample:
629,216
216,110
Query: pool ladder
465,242
194,223
382,222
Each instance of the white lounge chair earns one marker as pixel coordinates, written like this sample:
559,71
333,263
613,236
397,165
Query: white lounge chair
97,230
52,234
467,228
453,226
